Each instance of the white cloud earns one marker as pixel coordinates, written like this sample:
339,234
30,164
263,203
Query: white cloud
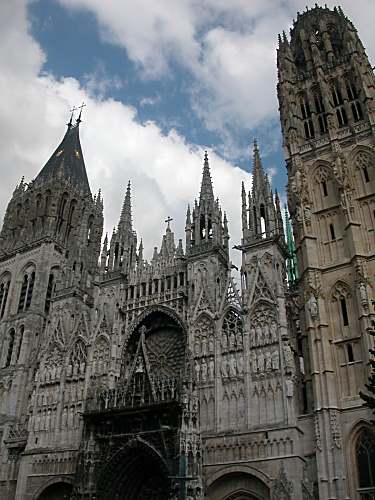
228,46
164,169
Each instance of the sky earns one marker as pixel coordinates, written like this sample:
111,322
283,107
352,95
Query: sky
162,82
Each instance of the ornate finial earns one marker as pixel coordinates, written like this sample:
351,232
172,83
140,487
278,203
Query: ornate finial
78,121
168,220
205,156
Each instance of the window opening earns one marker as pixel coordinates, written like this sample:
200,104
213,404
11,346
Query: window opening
324,187
10,348
322,115
365,453
339,105
365,174
4,289
349,349
47,304
30,289
344,311
307,118
332,232
22,329
262,221
354,102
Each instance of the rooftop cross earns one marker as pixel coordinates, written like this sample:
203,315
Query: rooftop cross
71,116
168,220
80,113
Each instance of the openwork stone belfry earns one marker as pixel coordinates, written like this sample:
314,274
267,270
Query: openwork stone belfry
172,378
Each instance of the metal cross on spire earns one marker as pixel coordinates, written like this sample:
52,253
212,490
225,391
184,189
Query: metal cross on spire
70,123
83,105
168,220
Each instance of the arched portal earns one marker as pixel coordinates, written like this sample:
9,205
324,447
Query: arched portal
238,486
137,472
57,491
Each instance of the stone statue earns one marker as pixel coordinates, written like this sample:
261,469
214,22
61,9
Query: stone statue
224,342
363,294
232,341
275,360
233,366
211,344
254,362
313,306
224,369
197,370
268,361
288,358
261,362
211,369
204,370
259,333
266,333
240,365
252,337
273,329
204,346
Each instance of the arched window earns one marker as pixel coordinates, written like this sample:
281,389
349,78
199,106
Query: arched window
321,112
11,335
363,164
50,289
365,456
4,290
20,340
307,117
341,296
60,215
72,208
338,103
27,288
355,104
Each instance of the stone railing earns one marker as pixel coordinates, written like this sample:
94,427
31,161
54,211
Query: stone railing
132,395
17,435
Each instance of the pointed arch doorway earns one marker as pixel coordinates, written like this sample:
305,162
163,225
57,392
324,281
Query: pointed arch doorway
137,472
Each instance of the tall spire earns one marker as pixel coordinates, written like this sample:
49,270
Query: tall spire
207,192
125,222
259,176
67,162
291,263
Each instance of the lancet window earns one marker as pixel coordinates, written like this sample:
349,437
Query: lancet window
307,117
11,336
365,455
4,290
338,102
355,104
27,288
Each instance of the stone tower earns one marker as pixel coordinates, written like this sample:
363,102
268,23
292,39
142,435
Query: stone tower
49,248
326,93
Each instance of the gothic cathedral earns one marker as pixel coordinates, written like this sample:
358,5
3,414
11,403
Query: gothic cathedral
122,378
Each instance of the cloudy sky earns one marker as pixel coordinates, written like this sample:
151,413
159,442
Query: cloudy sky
163,80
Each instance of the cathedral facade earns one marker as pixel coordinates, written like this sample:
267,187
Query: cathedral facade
122,378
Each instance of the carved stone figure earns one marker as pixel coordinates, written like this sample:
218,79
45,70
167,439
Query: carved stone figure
313,306
268,361
211,369
197,370
211,344
224,342
275,360
233,366
288,358
261,362
254,362
204,370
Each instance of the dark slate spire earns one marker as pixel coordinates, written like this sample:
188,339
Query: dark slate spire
207,192
67,162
